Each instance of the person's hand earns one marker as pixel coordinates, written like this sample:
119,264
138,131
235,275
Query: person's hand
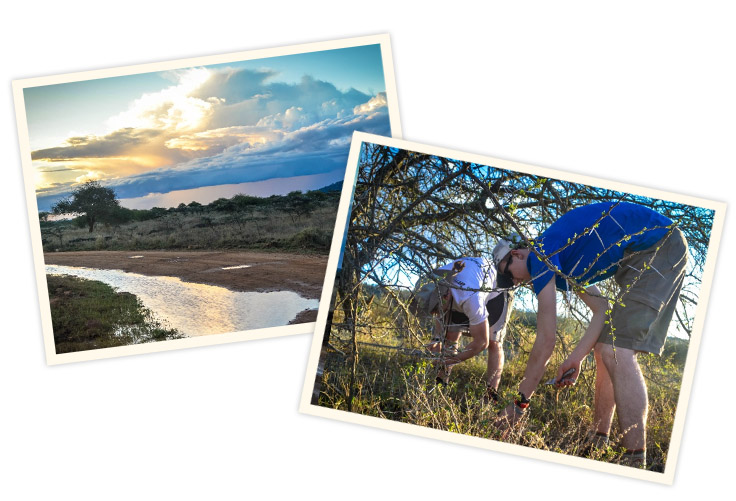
451,361
561,380
434,346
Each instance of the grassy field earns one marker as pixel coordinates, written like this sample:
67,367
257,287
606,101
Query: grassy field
88,315
393,383
263,225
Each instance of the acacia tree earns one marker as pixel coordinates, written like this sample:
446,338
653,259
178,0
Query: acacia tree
412,212
92,201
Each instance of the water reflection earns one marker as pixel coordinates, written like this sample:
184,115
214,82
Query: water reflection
198,309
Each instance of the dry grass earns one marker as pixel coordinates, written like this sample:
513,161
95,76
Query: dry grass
395,384
208,230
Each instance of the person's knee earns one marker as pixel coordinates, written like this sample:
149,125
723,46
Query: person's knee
614,359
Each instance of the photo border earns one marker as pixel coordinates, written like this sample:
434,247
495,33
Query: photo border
306,407
52,358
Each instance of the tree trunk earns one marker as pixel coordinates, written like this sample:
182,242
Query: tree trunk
350,307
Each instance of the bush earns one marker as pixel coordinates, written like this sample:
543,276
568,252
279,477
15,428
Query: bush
314,239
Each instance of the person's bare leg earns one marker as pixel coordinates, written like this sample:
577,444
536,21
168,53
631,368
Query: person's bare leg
451,340
630,395
453,336
605,405
495,364
436,345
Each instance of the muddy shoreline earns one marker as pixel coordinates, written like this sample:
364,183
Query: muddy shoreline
265,272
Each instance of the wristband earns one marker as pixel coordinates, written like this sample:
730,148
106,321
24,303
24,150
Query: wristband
522,402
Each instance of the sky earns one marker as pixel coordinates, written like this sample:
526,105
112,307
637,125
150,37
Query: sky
261,127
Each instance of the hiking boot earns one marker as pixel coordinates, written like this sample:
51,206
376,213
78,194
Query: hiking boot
595,444
634,459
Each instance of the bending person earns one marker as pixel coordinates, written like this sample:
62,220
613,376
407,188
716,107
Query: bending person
462,297
646,254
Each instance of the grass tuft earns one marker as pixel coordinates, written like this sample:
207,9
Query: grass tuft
89,315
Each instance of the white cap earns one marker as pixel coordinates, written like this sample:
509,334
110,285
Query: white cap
504,246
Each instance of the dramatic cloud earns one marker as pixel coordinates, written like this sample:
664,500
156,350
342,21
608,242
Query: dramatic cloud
117,143
315,149
173,109
214,127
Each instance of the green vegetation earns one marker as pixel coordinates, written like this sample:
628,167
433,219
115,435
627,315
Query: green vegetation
393,380
88,315
297,222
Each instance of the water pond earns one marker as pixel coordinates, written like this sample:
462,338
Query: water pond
199,309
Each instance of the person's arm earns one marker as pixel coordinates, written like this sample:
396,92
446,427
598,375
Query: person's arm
479,333
598,305
541,352
544,343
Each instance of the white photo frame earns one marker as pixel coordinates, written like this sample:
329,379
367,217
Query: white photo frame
309,400
383,101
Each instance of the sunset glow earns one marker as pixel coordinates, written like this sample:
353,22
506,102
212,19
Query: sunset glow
220,125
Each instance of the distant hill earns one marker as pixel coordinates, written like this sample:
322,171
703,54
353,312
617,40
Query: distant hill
333,187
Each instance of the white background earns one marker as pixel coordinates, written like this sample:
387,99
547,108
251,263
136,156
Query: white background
640,92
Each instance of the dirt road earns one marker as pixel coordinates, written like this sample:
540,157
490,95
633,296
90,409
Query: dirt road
265,272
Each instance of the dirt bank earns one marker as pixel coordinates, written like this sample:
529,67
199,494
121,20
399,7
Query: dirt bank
265,272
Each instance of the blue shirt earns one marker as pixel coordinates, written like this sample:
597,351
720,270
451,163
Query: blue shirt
597,236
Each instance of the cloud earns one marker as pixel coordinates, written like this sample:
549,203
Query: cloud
314,149
248,99
172,109
233,85
219,139
114,144
216,127
375,103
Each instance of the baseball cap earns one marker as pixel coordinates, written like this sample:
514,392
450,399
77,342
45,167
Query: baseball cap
504,246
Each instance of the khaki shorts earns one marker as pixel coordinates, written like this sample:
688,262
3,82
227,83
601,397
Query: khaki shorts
649,294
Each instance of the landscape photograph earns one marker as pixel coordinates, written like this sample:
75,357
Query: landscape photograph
196,200
594,302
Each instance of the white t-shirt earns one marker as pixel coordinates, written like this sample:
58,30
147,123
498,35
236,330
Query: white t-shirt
479,273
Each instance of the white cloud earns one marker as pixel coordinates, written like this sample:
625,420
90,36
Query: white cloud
171,108
376,102
218,139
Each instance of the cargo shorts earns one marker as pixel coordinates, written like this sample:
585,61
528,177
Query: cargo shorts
650,283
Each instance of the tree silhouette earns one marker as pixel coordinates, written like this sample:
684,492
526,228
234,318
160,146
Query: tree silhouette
93,202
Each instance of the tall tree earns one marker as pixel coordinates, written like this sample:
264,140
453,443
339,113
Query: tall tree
91,200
